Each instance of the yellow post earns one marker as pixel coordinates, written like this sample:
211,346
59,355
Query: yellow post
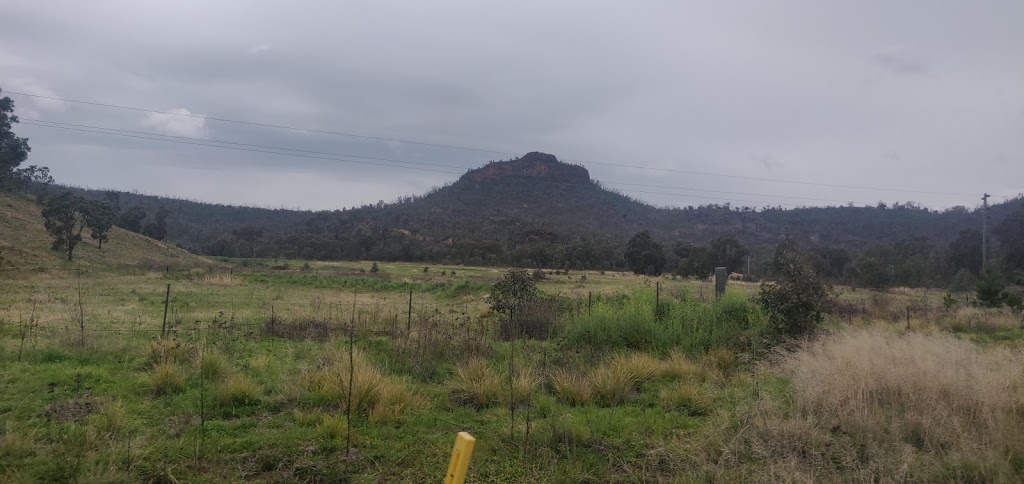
459,464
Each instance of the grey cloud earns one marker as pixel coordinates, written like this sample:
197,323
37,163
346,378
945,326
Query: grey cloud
698,86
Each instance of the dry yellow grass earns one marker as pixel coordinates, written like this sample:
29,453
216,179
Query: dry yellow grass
219,280
169,350
678,367
572,387
477,384
394,401
384,398
613,384
213,364
874,405
642,366
685,397
237,390
166,378
524,382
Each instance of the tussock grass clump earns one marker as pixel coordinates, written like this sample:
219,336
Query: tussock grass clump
17,444
678,367
333,427
477,384
261,363
237,390
565,431
166,378
642,366
168,350
394,401
329,384
305,418
615,380
213,365
612,384
112,420
685,397
721,359
524,382
572,387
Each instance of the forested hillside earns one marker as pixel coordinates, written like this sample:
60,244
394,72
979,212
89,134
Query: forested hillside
536,211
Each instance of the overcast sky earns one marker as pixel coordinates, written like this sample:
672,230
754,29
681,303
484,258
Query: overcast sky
911,95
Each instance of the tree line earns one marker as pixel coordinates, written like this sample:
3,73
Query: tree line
914,261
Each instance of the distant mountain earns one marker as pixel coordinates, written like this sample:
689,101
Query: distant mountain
536,210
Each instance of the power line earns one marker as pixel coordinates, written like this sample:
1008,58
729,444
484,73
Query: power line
264,125
279,148
283,151
776,180
204,140
233,147
300,155
482,150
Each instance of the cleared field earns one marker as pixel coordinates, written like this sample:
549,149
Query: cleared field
250,378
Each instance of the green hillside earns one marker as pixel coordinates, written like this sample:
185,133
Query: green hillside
25,245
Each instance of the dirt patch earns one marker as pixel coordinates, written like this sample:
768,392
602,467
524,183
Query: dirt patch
71,411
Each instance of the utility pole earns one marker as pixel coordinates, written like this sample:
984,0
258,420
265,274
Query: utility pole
984,232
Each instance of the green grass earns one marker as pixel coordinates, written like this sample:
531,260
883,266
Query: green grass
445,289
693,326
615,395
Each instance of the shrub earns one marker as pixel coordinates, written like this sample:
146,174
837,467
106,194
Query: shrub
990,288
514,290
686,398
571,387
374,268
166,378
797,300
477,384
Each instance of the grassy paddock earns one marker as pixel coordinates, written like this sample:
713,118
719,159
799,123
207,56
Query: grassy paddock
623,391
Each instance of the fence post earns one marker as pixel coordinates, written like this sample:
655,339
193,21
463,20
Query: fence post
458,466
590,302
351,376
657,300
908,318
721,276
408,321
167,300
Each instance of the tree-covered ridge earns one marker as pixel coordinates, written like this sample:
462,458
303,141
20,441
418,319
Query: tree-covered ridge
536,211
